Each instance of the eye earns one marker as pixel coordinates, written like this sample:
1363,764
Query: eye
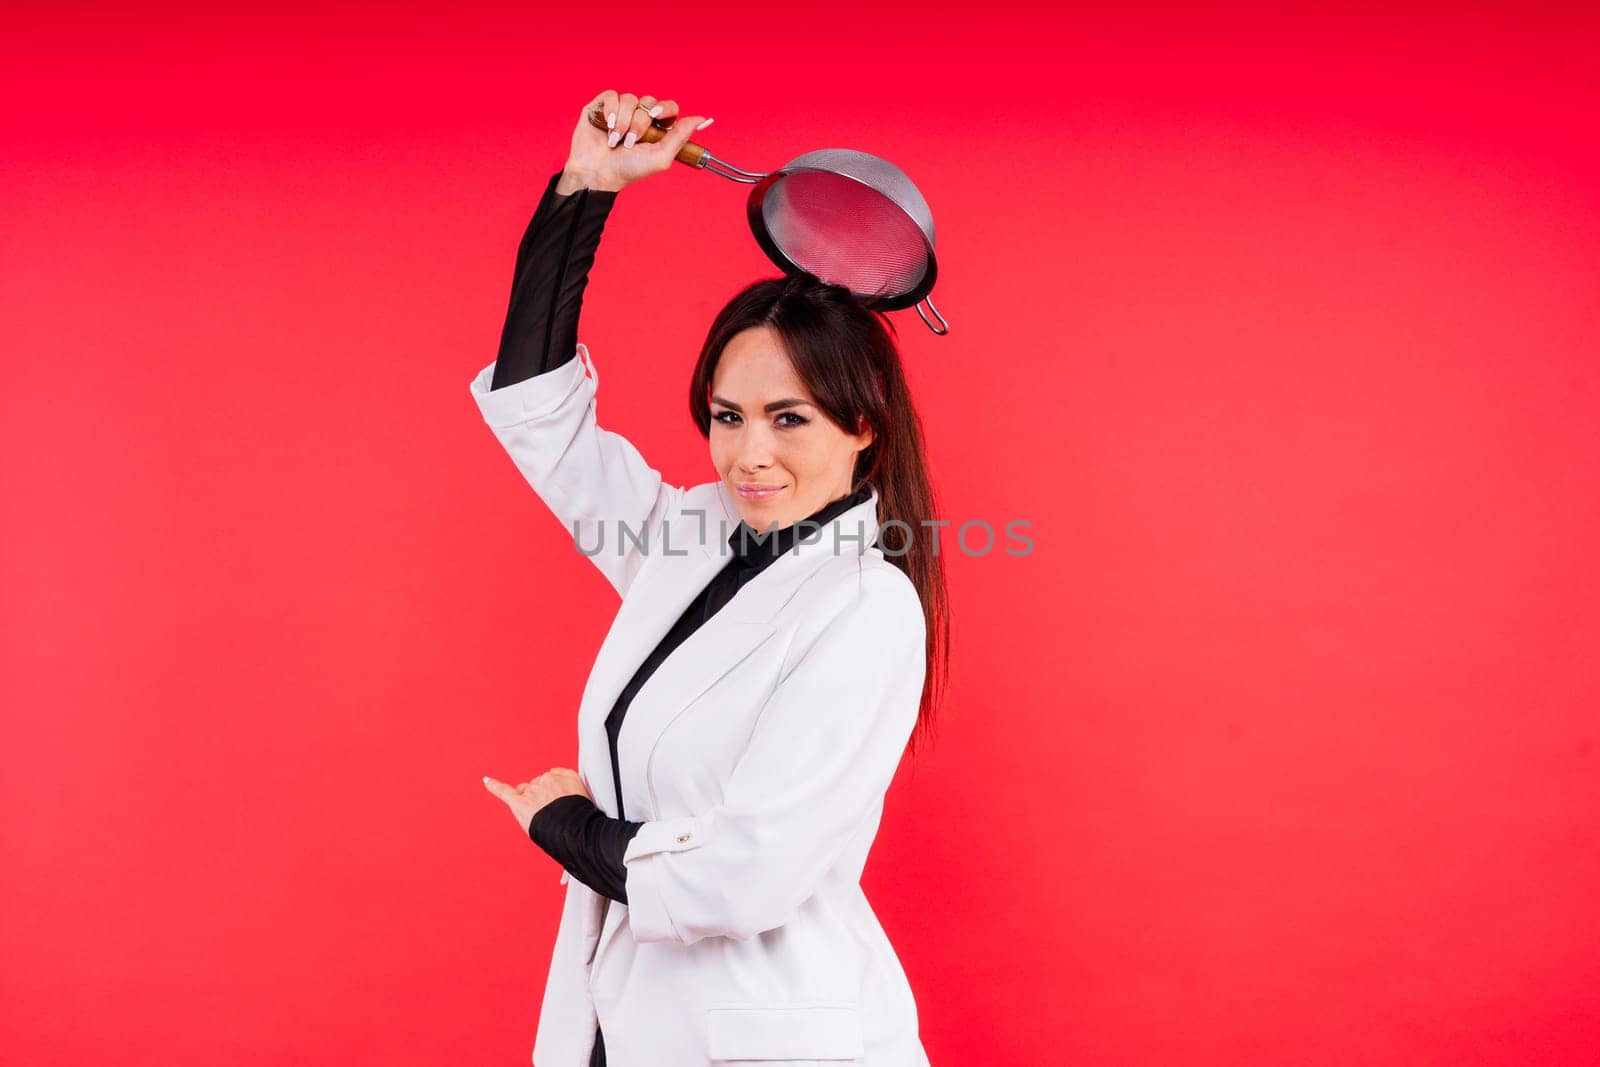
729,418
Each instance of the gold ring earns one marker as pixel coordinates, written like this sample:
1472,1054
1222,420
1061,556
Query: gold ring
654,120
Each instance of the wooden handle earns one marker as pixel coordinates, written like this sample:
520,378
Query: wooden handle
690,153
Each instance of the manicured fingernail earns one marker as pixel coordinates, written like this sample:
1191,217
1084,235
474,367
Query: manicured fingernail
627,142
611,120
704,124
612,139
486,779
655,112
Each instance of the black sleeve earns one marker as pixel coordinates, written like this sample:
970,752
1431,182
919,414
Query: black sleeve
553,261
586,841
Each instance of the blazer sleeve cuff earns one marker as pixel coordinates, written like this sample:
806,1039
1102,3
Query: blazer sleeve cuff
531,398
647,910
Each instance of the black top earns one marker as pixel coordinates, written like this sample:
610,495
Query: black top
553,261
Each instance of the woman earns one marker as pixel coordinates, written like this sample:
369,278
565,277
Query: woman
769,679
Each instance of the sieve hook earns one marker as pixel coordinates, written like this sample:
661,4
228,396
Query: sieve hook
929,301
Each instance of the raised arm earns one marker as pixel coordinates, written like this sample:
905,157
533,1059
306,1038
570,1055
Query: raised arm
553,262
538,399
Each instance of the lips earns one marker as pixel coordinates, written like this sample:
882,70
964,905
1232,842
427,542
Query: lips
757,490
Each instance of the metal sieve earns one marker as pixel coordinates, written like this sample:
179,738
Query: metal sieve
850,218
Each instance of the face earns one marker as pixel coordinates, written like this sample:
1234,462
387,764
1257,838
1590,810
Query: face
766,432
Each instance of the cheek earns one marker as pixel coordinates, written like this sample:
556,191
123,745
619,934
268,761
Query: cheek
816,454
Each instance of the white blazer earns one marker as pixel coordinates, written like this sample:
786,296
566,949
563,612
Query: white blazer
758,755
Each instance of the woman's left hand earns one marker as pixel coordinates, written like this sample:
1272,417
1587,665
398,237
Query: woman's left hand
526,799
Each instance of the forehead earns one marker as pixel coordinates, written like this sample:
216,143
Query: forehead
754,366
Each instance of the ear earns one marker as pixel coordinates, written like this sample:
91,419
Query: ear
864,436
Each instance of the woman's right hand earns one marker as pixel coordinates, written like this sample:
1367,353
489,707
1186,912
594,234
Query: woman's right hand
609,161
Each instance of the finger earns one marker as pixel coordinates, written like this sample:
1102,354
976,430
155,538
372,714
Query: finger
638,123
626,105
669,113
604,102
498,788
674,139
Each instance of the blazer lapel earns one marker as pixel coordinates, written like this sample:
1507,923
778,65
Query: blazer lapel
658,597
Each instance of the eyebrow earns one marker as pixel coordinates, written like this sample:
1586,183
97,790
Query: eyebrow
776,405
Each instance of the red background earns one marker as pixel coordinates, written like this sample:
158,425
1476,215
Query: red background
1281,331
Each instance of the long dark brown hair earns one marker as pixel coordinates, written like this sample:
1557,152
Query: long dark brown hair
844,350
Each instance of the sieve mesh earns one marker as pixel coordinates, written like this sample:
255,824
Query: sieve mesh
845,232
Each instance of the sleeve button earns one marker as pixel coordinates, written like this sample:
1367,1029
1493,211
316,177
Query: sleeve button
684,836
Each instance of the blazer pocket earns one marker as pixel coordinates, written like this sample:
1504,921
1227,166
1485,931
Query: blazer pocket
810,1031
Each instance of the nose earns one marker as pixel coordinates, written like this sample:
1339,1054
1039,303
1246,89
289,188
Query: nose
754,453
